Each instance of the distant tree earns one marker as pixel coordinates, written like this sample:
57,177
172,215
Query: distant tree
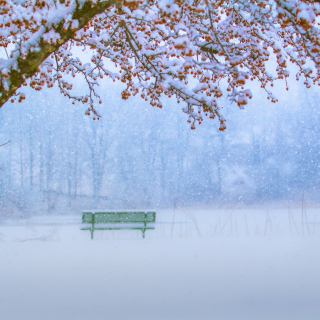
181,48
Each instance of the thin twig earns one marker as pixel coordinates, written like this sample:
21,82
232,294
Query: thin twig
5,143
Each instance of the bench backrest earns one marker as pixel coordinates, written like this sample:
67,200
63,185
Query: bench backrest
118,217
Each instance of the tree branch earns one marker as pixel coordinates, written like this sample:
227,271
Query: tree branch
27,65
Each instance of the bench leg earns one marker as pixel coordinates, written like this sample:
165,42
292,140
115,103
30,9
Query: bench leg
92,228
145,224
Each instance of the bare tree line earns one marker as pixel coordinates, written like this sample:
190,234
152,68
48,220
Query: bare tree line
62,162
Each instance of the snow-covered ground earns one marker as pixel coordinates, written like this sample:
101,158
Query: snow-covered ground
196,264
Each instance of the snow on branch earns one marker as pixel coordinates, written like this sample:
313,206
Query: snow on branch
181,48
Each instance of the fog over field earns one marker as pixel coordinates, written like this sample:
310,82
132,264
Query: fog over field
136,204
237,212
60,161
196,264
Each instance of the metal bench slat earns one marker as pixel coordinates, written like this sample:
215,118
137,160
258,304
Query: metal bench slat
115,218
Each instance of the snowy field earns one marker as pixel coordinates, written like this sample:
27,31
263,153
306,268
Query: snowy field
196,264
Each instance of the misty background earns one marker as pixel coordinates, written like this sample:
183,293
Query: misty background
60,161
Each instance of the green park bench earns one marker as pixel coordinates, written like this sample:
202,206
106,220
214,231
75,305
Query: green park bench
121,220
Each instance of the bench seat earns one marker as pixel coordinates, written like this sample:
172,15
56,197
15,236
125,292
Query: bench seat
118,220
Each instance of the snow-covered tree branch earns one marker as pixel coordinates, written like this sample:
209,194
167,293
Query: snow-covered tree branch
185,49
36,29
